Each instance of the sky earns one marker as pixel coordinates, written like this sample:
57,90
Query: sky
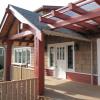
31,4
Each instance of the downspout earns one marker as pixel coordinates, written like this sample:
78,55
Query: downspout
91,63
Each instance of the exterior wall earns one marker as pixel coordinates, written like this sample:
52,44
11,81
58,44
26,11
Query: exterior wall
82,54
95,56
82,60
83,57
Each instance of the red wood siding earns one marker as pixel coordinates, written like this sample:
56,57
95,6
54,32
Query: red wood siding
84,78
49,72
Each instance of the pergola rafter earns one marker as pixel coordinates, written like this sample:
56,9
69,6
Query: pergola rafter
60,15
76,9
89,26
76,22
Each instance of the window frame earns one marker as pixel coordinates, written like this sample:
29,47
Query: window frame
71,69
55,46
22,49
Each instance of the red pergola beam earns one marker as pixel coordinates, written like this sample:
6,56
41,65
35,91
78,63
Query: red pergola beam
59,15
47,20
75,28
76,9
79,3
89,26
88,16
97,1
97,20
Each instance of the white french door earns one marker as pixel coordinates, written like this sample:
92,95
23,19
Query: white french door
60,64
61,58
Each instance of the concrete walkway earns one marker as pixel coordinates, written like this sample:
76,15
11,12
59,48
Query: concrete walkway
58,89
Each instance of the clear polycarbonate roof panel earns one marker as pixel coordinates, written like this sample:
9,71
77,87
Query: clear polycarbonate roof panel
55,18
90,6
71,13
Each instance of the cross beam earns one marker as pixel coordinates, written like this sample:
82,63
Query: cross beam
76,9
59,15
21,35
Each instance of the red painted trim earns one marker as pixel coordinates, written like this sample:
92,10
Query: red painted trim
76,8
46,20
39,62
8,61
75,28
84,78
49,72
59,15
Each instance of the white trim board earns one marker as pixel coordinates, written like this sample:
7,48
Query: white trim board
98,60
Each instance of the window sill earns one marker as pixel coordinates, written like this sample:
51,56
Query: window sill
51,68
23,65
28,68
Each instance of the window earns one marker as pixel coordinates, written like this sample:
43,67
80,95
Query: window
51,56
60,53
57,53
70,57
1,51
22,55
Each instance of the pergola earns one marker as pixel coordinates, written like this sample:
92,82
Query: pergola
82,17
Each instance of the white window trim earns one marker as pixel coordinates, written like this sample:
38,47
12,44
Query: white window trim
66,44
21,48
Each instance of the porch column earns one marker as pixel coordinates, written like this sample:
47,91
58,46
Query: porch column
7,65
39,62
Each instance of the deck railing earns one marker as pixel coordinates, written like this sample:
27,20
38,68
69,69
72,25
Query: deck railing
19,90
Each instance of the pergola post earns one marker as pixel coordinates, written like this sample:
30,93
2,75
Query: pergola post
39,62
7,65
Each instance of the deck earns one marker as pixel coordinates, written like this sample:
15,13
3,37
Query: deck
58,89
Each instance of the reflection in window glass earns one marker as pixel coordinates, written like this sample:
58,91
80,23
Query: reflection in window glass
70,57
28,56
1,51
60,53
16,53
23,56
57,53
20,56
51,56
63,55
